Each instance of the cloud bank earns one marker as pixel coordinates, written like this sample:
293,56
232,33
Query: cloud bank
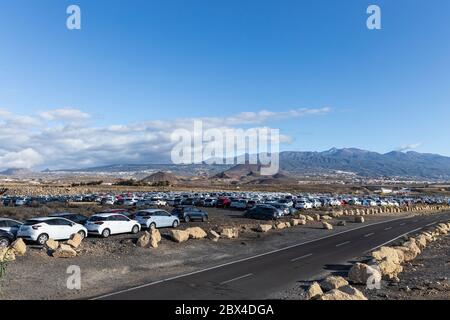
68,138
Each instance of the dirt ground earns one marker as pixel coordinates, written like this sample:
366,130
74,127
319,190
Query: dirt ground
117,263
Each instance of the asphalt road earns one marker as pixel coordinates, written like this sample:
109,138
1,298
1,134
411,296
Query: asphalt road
258,277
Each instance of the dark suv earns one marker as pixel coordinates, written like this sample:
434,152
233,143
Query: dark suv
263,212
189,213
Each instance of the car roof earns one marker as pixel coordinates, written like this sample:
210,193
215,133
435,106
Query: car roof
8,219
62,214
104,215
150,210
44,218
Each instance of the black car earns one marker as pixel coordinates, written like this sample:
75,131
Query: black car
6,238
262,212
189,213
74,217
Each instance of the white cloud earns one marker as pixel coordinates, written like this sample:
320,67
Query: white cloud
65,114
409,147
61,139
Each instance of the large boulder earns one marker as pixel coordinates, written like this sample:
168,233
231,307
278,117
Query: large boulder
408,254
337,294
155,238
52,244
280,225
309,218
314,291
229,233
294,222
143,240
327,226
387,253
64,251
361,273
359,219
333,282
19,247
263,227
179,235
389,268
75,241
7,255
196,233
421,241
326,217
214,236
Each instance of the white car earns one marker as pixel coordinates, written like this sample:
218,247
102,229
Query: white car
239,204
155,218
303,204
335,203
106,224
41,229
210,202
369,203
157,202
10,225
130,202
316,204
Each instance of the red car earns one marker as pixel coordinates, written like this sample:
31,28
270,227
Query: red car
223,202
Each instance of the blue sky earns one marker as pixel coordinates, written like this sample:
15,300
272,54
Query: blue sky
142,60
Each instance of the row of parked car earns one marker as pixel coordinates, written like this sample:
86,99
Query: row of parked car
61,226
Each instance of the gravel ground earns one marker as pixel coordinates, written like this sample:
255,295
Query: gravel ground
117,263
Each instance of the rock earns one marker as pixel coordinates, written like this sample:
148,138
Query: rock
179,235
64,251
326,217
411,245
287,224
214,236
333,282
359,219
52,244
355,293
143,240
421,241
19,247
387,253
342,223
408,254
264,227
280,225
361,273
196,233
75,241
314,291
155,238
337,294
317,217
229,233
301,222
327,226
7,255
389,268
294,222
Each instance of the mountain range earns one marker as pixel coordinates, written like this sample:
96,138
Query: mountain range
351,160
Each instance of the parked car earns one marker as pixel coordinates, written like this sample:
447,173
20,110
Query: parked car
106,224
210,202
41,229
223,203
10,225
74,217
189,213
6,238
303,204
283,207
156,218
263,212
239,204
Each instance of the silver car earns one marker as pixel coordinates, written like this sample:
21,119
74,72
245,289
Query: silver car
156,218
10,225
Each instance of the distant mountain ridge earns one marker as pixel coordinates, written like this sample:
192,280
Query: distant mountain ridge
360,162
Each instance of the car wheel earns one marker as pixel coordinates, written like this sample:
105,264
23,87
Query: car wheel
152,226
187,218
204,218
106,233
135,229
175,224
82,234
42,239
4,243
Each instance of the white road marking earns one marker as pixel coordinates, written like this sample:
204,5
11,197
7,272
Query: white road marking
302,257
388,229
343,244
431,224
237,261
387,242
402,224
236,279
369,234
